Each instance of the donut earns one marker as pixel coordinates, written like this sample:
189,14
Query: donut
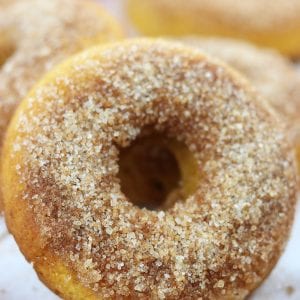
223,223
35,35
273,24
274,77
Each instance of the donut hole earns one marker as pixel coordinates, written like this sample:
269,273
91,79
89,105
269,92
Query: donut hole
151,172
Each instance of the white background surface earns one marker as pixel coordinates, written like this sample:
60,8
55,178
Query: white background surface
18,280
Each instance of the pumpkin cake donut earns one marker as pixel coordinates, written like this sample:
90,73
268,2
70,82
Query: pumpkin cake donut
41,33
223,223
35,35
274,77
274,24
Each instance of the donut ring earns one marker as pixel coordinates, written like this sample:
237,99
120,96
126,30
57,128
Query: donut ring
274,77
40,39
273,24
63,200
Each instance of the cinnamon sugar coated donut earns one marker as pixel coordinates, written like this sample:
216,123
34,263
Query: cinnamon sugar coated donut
274,24
64,199
275,77
37,34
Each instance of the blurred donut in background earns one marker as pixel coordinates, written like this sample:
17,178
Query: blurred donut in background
35,35
274,77
268,23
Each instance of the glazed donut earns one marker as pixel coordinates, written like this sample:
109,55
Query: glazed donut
273,24
275,78
62,170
